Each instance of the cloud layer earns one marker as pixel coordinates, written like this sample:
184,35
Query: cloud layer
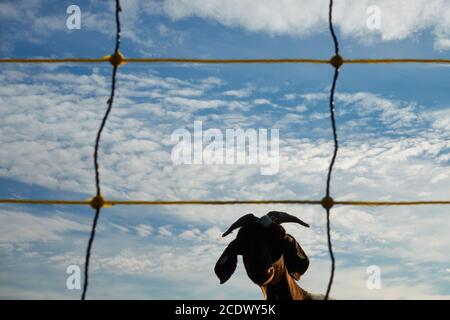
402,19
399,19
390,149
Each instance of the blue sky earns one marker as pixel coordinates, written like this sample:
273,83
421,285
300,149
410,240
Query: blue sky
392,124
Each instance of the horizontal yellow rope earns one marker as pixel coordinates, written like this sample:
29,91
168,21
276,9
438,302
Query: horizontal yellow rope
225,202
391,203
29,201
379,61
224,61
220,61
59,60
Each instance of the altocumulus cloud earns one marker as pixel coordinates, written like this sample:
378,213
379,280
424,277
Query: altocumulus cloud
46,137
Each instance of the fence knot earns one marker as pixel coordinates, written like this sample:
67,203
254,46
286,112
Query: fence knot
327,202
337,61
117,59
97,202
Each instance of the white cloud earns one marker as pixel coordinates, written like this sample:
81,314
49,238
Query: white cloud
275,17
144,230
195,104
298,18
120,228
238,93
21,227
440,119
189,234
49,141
288,119
350,283
171,263
261,101
47,136
164,231
301,108
8,11
37,23
399,19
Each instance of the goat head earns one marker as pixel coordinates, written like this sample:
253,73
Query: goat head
266,248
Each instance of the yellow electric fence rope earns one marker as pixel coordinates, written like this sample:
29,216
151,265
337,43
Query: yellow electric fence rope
222,202
222,61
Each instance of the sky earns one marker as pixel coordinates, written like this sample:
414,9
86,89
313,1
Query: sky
392,124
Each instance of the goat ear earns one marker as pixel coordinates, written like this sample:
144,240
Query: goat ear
242,221
281,217
296,260
227,263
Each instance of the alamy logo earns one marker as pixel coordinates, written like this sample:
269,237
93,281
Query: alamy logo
235,147
73,281
374,19
74,20
373,281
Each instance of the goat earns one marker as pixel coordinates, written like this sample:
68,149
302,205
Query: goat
273,259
